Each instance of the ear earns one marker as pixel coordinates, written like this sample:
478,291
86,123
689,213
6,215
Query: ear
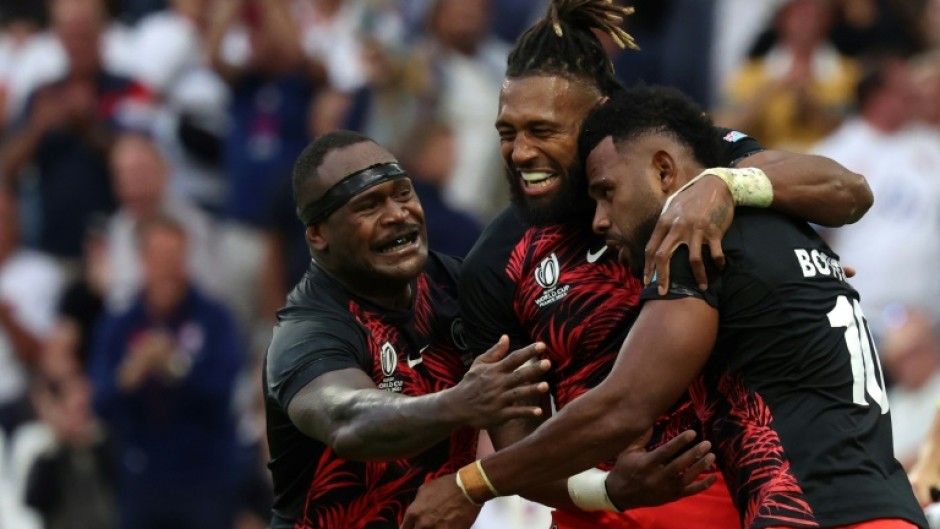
668,171
316,238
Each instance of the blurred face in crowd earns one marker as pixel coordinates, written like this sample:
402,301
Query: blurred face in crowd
627,183
78,24
139,173
538,124
164,255
893,104
461,24
911,350
803,24
9,224
377,240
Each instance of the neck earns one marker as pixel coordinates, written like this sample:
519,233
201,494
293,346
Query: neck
384,292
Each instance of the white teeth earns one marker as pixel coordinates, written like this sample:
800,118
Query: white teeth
532,178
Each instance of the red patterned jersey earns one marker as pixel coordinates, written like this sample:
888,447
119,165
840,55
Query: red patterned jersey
414,352
558,284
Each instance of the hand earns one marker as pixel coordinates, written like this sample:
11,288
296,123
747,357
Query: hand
440,504
701,214
647,479
498,388
923,479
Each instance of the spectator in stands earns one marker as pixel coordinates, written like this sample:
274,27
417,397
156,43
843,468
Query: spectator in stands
254,45
30,285
429,157
82,302
911,357
899,159
141,177
800,90
71,485
193,100
163,374
69,127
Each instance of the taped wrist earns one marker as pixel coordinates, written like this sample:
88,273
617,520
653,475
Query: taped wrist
588,490
749,186
474,484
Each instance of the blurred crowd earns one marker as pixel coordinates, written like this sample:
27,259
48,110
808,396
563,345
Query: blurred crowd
148,234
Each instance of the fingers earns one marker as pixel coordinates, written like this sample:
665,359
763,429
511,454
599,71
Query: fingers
497,352
649,263
667,452
517,358
718,255
695,260
699,485
408,522
691,473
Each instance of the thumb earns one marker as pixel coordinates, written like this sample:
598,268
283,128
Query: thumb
497,352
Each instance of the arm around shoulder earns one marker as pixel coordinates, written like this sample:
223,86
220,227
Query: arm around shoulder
814,188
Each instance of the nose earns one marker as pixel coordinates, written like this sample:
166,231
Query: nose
601,221
522,150
395,212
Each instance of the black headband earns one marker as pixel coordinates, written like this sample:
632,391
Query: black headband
350,186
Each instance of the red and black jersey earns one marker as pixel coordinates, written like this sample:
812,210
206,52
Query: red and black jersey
793,395
559,284
325,328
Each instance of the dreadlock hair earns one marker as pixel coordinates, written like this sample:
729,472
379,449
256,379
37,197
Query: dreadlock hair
642,110
562,43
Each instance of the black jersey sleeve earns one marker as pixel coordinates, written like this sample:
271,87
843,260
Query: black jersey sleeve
303,349
682,283
486,290
736,146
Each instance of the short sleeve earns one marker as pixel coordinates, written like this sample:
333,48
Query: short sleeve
682,283
302,350
736,146
486,307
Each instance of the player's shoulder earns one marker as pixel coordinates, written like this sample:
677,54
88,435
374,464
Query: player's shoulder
443,269
736,145
496,244
766,238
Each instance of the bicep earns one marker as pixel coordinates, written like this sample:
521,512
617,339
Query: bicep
322,405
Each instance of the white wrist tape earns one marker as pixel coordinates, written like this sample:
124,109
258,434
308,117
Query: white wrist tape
749,186
588,490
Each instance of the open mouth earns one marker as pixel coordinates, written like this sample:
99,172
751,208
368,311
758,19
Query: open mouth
537,180
399,242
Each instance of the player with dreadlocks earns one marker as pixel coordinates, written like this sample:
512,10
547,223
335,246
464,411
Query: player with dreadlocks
539,273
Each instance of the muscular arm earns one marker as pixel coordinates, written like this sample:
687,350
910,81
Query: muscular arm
667,347
345,410
813,188
809,187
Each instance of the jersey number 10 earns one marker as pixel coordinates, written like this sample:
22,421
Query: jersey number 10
864,355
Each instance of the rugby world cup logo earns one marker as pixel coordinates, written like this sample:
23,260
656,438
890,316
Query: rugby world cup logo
546,275
389,359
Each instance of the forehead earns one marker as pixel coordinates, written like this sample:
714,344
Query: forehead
545,98
602,160
342,162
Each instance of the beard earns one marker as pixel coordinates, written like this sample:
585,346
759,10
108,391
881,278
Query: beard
635,245
569,203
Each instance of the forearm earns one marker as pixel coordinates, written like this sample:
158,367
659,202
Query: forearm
17,153
26,346
371,424
593,428
553,494
813,188
929,455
